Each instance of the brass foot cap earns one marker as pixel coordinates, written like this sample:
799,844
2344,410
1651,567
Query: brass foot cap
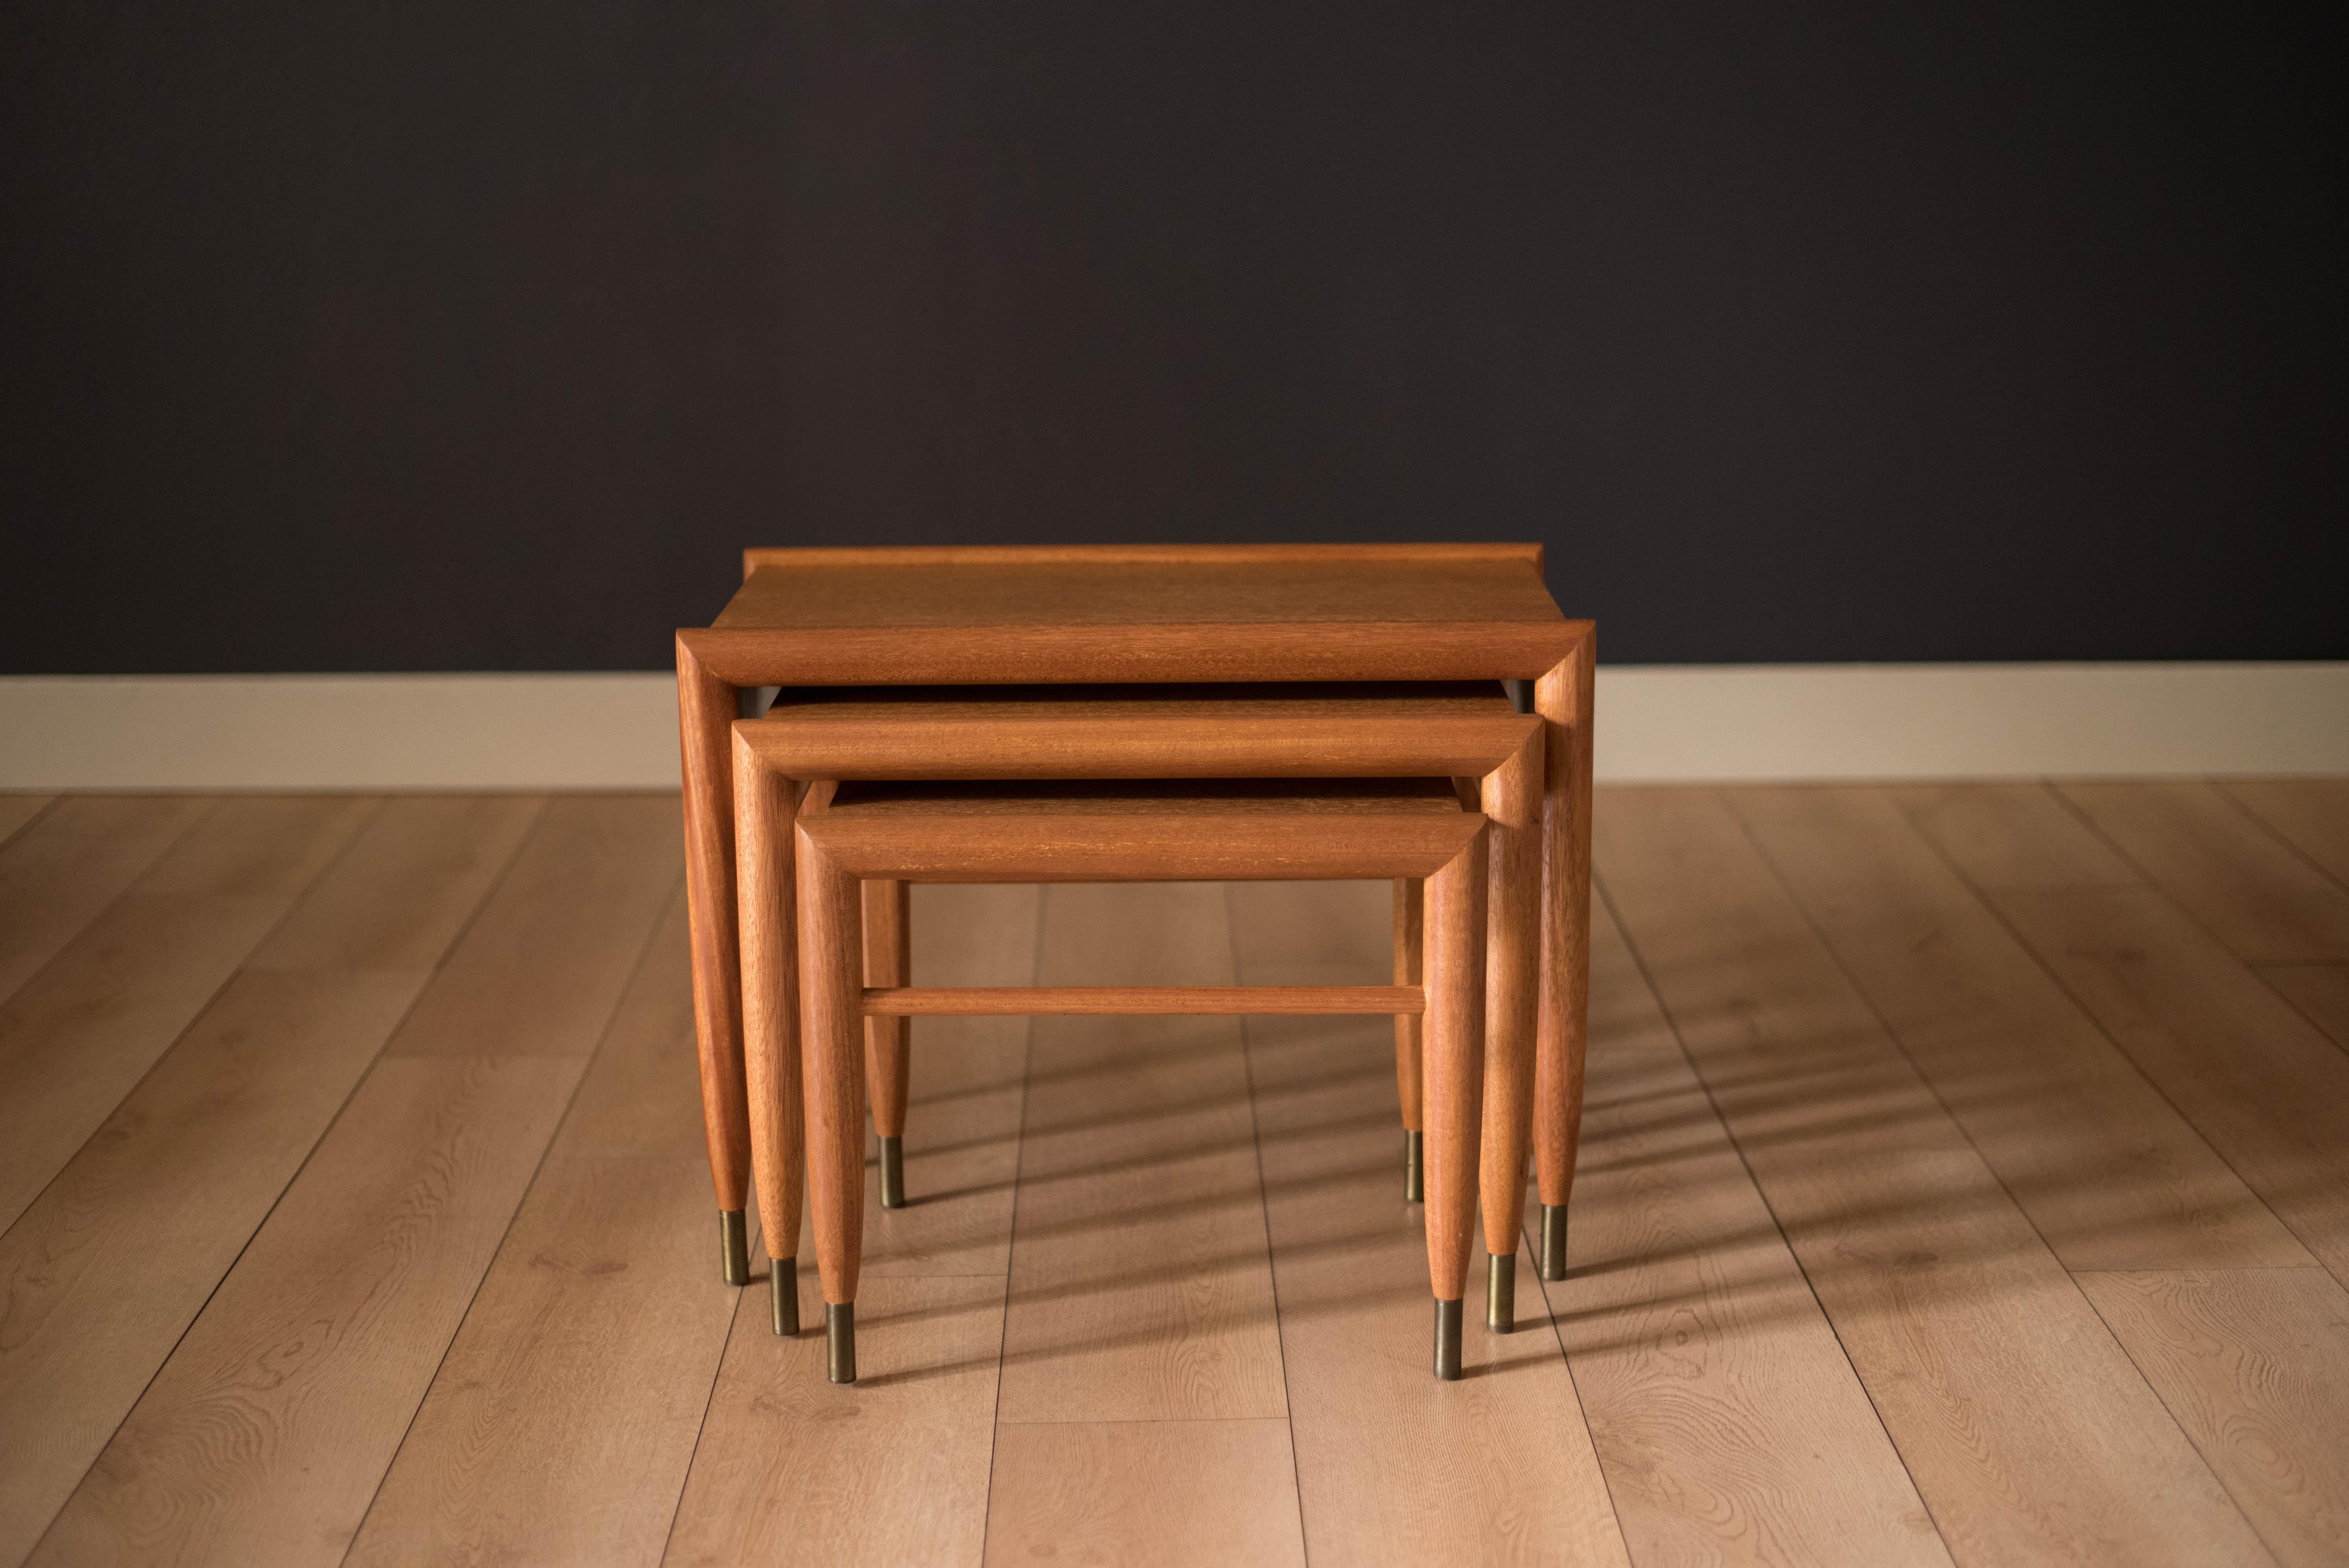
892,1172
733,1247
1414,1168
1501,1292
1553,1241
784,1290
840,1341
1447,1339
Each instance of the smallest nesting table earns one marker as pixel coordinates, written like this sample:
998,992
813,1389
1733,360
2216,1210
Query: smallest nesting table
1114,831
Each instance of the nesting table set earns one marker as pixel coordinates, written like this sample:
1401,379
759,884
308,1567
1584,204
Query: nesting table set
1134,713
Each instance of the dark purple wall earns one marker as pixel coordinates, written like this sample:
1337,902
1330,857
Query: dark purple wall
344,337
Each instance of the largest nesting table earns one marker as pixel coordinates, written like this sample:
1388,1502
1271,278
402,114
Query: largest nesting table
1047,615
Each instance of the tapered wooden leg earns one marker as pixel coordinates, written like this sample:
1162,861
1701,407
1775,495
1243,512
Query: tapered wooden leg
1513,807
1456,1052
1563,698
705,716
888,961
1409,902
831,982
765,806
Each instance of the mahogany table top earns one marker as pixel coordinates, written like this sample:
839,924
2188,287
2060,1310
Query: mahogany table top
986,616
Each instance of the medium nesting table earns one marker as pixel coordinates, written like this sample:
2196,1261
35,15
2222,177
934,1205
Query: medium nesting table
1115,614
1134,783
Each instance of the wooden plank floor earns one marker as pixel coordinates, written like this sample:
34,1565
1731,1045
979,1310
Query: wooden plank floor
1965,1181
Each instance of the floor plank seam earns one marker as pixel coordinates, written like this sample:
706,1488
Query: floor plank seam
29,823
2272,831
2311,1019
1892,1033
196,826
1866,1001
129,887
198,1016
2016,934
2257,967
1647,977
1011,1224
1581,1410
716,1374
2310,1267
1271,1265
603,1037
2079,814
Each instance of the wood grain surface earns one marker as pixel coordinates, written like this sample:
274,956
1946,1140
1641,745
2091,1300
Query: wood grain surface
264,1438
108,1268
767,920
266,1433
2321,991
964,1093
1131,739
117,1257
2013,838
888,1473
1453,1090
406,887
2262,1085
831,917
705,708
1476,649
561,1424
1731,1427
1420,701
1154,1494
2265,900
754,1499
1391,1462
1101,1001
1010,597
1226,804
2262,864
888,956
1817,1311
58,873
1410,938
1054,845
2106,1168
2312,815
1512,798
1129,554
17,810
1564,695
544,963
76,1038
2029,1434
2254,1363
1141,1289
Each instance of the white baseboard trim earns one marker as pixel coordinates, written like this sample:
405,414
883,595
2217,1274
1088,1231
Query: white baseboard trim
339,732
1971,721
1659,723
